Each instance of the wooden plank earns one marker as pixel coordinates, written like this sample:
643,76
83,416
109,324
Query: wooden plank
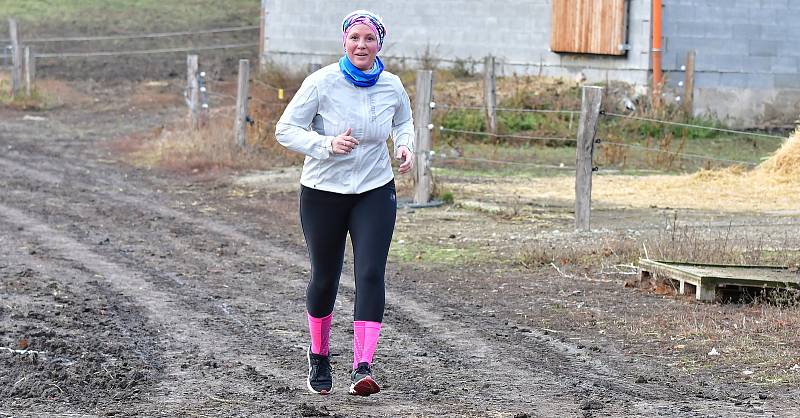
707,277
589,26
587,127
422,148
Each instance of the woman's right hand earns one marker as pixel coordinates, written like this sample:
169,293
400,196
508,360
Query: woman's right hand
343,143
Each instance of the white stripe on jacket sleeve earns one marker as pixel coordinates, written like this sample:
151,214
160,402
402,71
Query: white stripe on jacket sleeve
403,122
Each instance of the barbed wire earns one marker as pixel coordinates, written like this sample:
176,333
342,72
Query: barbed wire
508,109
143,52
509,136
711,226
266,103
136,35
267,85
486,160
689,125
220,95
682,154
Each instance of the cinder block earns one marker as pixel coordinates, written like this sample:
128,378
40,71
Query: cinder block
760,81
788,48
784,64
780,5
759,48
717,62
691,29
680,13
774,32
719,30
758,64
747,31
706,79
787,81
735,80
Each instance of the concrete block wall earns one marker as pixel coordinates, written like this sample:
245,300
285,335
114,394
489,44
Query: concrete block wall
517,32
747,65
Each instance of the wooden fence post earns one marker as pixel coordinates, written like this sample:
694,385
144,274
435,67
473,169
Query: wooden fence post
241,102
490,93
192,89
423,179
688,85
16,58
202,113
587,127
262,33
30,70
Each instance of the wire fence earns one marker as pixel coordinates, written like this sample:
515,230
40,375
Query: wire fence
134,35
144,52
507,136
690,125
507,109
505,162
677,154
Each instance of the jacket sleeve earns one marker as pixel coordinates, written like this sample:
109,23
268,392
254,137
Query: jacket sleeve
293,130
403,122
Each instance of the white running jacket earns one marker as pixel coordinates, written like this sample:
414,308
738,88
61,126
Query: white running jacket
324,107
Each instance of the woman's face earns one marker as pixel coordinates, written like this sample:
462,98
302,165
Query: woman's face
361,46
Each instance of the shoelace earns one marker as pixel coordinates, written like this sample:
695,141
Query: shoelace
363,369
321,368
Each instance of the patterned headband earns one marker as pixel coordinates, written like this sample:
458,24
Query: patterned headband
364,17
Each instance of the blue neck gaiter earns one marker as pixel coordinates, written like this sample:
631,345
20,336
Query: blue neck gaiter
360,78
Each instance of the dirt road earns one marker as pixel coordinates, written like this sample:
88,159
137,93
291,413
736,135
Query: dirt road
160,295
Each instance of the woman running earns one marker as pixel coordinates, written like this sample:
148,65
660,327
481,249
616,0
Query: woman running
340,119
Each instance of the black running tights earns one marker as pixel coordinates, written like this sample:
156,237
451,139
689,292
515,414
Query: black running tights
326,218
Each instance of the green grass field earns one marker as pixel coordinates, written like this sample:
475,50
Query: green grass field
119,16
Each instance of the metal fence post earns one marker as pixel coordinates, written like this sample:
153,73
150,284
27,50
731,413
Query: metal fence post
587,127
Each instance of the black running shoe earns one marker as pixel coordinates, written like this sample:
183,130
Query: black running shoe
320,379
363,383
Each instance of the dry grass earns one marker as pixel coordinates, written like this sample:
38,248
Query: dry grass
785,162
177,148
180,149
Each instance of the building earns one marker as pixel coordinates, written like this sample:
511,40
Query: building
747,66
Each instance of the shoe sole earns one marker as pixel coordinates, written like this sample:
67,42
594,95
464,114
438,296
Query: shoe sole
308,378
364,387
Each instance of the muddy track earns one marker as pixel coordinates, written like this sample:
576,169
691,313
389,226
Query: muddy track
218,308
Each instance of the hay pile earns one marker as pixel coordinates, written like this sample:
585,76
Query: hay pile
785,162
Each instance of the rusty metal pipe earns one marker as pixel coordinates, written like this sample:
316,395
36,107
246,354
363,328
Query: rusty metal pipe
658,77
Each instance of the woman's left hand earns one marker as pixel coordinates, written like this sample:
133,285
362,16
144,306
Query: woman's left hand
407,157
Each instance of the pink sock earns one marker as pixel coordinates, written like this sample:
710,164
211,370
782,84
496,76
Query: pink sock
320,330
358,342
372,330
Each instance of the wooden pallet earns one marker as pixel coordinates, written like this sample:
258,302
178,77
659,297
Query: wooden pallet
706,278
